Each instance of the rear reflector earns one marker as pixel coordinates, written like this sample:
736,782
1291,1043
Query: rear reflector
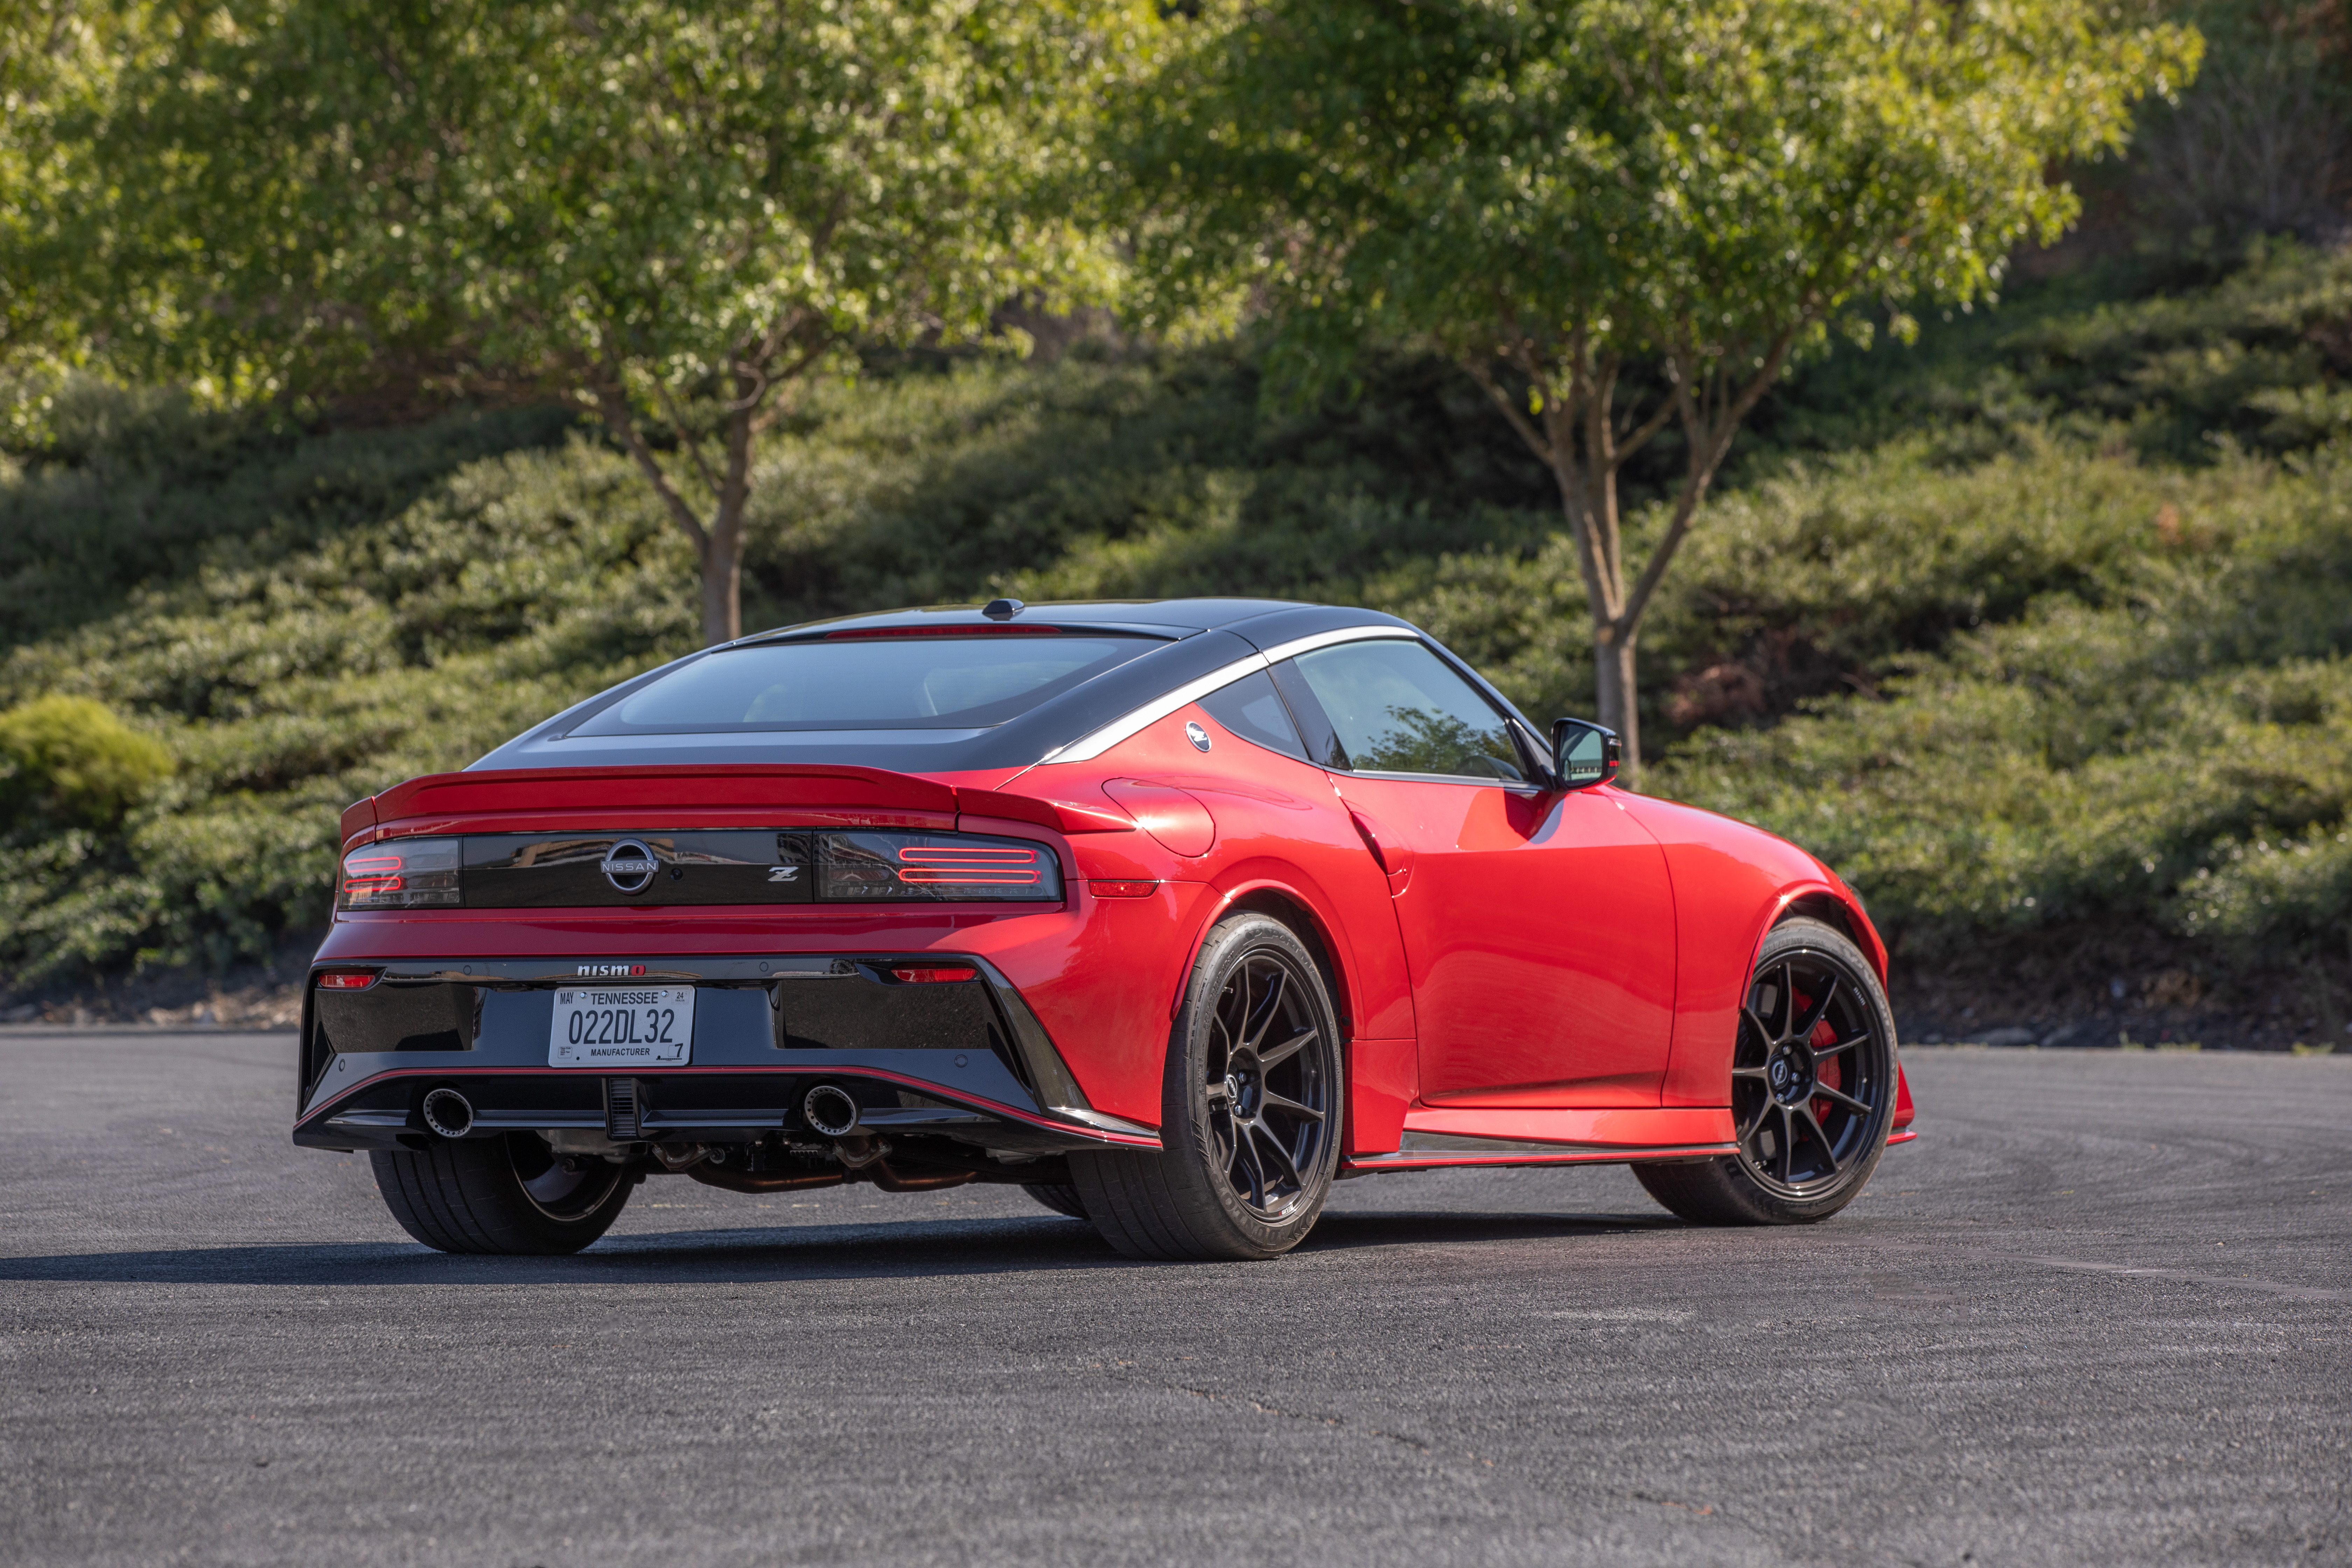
1124,890
935,974
347,979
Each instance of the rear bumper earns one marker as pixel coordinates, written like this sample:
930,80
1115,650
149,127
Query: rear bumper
967,1061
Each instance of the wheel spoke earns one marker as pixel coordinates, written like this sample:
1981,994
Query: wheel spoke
1842,1046
1219,1099
1748,1072
1273,1102
1821,1138
1275,1146
1246,1156
1270,1059
1814,1014
1787,1145
1787,1008
1756,1126
1267,1006
1842,1097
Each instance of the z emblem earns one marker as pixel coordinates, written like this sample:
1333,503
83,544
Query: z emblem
783,874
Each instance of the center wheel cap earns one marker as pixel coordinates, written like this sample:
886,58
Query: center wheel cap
1790,1074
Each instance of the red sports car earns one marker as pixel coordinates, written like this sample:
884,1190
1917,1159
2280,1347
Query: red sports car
1173,913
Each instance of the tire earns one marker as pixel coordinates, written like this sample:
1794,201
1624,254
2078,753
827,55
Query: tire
506,1195
1252,1107
1802,1156
1059,1196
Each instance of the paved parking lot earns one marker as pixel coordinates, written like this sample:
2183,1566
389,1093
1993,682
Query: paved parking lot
2101,1312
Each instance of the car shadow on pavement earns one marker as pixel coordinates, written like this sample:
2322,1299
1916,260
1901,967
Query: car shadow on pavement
900,1250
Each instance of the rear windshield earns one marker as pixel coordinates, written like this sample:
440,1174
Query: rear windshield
867,683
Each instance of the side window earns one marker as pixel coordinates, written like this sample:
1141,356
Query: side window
1395,707
1252,709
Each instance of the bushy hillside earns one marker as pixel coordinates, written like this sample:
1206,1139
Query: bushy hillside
2038,630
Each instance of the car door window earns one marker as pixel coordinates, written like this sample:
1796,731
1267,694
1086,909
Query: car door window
1394,707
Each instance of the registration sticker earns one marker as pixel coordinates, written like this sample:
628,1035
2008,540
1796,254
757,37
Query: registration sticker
606,1027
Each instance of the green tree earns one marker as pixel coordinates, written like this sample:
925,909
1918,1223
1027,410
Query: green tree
58,62
669,213
1622,216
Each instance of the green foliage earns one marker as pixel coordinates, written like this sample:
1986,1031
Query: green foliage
1619,214
129,487
662,212
73,761
2167,743
1649,174
2029,660
2182,366
288,687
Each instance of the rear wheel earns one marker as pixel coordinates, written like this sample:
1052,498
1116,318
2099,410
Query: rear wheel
1251,1110
1812,1090
507,1195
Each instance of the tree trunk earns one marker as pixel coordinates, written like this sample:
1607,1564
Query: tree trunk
1613,675
722,586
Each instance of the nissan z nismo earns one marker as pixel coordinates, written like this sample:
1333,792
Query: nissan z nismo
1173,914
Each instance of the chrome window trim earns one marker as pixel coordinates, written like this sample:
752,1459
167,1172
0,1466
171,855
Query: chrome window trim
1088,747
1298,646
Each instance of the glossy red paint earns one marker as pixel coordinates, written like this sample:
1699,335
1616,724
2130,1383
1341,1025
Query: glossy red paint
1732,884
1177,820
1549,968
1535,927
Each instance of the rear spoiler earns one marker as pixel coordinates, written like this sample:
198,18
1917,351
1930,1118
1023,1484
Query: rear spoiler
782,795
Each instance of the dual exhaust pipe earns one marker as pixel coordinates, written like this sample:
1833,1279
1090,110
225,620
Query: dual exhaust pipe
828,1109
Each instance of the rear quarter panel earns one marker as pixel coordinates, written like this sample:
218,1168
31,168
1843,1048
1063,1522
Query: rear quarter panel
1280,831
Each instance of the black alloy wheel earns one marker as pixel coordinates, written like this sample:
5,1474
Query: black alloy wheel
508,1193
1812,1090
1268,1098
1252,1110
1808,1077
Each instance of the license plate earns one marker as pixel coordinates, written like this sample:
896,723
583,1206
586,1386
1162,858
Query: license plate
606,1027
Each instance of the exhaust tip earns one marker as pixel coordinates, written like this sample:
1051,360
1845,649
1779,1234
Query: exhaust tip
449,1113
829,1110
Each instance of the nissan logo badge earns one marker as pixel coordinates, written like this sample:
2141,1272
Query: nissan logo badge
629,866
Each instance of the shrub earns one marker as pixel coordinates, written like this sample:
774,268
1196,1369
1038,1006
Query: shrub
73,761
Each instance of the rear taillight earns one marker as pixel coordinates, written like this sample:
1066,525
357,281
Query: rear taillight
873,867
401,874
346,979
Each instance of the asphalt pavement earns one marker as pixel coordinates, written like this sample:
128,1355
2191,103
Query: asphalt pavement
2100,1313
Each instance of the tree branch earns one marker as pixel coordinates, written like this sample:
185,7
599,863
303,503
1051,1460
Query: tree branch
1484,378
686,437
1707,449
614,406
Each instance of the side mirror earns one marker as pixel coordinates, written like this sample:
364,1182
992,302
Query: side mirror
1583,754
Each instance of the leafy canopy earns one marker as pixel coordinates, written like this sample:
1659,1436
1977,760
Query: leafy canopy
1661,199
1660,176
549,192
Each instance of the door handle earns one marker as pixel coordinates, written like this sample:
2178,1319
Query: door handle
1394,856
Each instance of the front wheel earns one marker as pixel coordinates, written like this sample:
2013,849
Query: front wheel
508,1194
1812,1090
1251,1110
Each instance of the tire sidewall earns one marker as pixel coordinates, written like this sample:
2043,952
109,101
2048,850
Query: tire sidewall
1187,1135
